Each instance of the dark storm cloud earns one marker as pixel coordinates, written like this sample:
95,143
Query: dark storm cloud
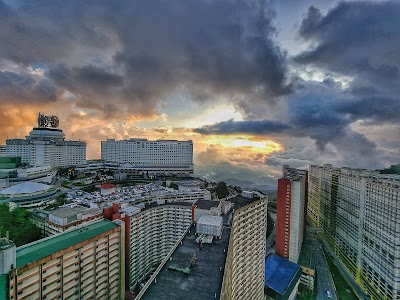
25,87
243,127
141,51
357,39
324,113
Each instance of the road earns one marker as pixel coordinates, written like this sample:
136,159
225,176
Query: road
356,288
324,277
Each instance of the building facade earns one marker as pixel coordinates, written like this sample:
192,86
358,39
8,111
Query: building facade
151,232
244,267
86,263
290,213
46,146
360,216
161,156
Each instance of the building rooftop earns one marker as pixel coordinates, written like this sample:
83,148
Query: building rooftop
188,182
206,204
42,248
108,185
64,212
177,280
280,273
240,201
27,187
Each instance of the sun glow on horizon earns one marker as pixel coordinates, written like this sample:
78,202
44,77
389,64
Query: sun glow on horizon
245,141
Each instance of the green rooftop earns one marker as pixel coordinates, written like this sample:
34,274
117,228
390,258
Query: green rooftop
45,247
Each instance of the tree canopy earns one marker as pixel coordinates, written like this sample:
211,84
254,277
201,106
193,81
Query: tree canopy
18,224
393,169
221,190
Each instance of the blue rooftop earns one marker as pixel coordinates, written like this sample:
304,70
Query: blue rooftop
279,273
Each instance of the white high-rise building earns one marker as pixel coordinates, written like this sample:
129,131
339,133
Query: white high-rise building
46,146
359,211
160,156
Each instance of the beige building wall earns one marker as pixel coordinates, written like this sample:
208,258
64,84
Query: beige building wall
245,263
153,233
93,269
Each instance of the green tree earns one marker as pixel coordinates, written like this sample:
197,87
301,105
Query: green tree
221,190
393,169
18,224
173,185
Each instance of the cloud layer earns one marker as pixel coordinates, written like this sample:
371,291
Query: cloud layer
103,66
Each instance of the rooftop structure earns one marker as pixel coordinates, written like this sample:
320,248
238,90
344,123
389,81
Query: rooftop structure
25,188
188,185
206,207
209,225
282,278
28,194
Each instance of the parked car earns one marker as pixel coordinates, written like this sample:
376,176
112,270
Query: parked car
328,293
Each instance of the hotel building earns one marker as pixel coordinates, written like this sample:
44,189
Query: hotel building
85,263
245,262
360,216
170,157
46,146
290,213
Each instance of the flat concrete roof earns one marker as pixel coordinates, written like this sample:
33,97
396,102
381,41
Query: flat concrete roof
64,212
206,204
240,201
205,277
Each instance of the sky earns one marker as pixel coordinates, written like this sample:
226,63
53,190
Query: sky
255,84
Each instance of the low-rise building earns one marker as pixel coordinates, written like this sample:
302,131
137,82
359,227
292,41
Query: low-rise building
210,225
108,189
67,218
282,278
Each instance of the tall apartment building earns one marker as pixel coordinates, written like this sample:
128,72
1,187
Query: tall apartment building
360,216
244,267
290,213
85,263
160,156
151,232
46,146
